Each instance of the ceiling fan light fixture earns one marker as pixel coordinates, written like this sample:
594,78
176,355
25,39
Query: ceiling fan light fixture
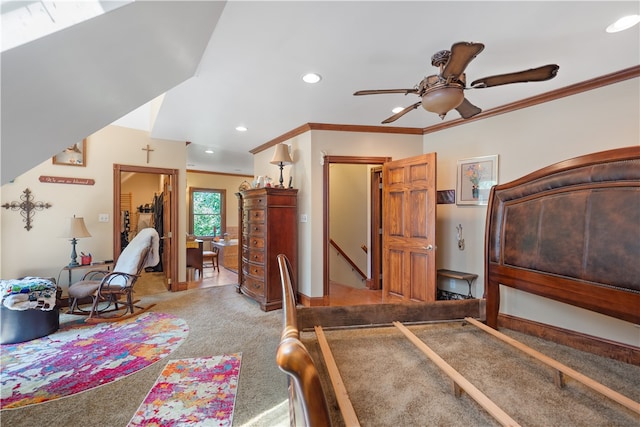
623,23
441,100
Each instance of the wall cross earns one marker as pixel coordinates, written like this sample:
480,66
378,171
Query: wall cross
27,207
148,150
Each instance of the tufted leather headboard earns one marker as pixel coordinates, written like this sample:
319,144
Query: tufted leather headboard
569,232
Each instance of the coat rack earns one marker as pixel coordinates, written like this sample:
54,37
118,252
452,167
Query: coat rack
27,207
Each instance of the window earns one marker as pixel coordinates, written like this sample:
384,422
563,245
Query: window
206,211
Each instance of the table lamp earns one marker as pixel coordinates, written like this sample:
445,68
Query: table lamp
281,157
74,230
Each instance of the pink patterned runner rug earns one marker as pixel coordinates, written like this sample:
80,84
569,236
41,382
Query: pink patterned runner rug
197,391
80,356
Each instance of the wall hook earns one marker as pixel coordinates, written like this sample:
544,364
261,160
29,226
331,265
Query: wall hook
459,237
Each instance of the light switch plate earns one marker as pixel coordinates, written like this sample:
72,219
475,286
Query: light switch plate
304,218
103,217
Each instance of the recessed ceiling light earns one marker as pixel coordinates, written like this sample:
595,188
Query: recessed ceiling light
312,78
397,110
208,151
241,129
623,23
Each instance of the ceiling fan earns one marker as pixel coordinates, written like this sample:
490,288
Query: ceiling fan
443,92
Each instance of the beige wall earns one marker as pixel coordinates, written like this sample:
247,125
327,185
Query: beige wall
349,221
41,251
527,140
307,154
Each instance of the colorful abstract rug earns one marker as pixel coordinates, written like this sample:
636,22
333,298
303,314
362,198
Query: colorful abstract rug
198,392
79,356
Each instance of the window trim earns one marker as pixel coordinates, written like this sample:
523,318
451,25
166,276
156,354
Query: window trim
223,207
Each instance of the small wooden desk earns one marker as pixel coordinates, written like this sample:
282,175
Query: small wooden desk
459,275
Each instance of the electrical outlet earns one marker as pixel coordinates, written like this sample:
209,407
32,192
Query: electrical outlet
103,217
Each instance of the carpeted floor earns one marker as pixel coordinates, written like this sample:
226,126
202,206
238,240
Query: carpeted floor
221,321
408,389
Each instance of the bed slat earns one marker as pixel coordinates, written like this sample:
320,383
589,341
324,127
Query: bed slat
561,368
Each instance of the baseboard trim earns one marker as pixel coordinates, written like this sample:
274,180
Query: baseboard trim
596,345
310,302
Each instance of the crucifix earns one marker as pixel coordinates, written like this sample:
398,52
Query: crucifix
147,149
27,207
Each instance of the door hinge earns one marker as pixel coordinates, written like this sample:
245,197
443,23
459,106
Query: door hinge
169,234
168,281
380,231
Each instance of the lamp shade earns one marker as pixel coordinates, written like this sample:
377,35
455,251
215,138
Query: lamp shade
281,156
75,228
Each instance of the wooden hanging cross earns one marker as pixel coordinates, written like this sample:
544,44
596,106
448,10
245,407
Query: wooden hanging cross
27,207
148,149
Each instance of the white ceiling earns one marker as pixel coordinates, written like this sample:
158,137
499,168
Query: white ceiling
250,73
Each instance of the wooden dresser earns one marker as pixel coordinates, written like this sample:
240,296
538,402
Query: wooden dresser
268,218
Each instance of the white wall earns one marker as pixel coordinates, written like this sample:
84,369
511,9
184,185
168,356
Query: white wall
527,140
41,251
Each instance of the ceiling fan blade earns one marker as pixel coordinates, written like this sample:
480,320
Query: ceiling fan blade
539,74
467,109
383,91
462,53
402,113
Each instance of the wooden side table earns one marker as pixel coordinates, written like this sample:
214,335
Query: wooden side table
459,275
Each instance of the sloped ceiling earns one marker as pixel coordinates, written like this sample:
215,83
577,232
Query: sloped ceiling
58,89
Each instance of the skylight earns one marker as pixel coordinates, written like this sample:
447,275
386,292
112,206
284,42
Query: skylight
25,21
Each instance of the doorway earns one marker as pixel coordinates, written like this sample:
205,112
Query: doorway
167,214
375,236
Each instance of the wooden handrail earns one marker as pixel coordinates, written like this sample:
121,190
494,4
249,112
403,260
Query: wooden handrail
349,260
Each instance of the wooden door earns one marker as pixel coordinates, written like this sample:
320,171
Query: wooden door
408,238
166,239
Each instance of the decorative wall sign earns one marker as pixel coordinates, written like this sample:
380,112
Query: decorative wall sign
27,207
66,180
75,155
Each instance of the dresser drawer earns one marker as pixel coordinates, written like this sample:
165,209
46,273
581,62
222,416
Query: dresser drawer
255,202
255,229
253,286
252,256
253,270
254,242
255,215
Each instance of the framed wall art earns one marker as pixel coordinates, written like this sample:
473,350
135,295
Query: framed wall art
74,155
475,178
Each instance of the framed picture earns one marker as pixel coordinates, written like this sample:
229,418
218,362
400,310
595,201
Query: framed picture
475,178
75,155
